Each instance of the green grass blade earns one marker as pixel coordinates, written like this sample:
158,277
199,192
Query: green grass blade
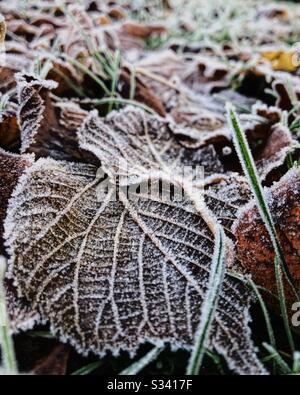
85,370
42,334
87,71
296,363
69,82
209,305
115,77
276,357
136,367
265,312
7,349
248,165
283,308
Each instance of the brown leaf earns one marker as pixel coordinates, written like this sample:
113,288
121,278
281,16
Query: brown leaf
48,128
274,152
196,126
142,30
273,11
9,128
253,243
207,75
21,315
11,168
142,94
55,363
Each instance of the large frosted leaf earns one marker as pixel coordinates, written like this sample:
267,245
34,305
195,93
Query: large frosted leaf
111,274
130,142
21,316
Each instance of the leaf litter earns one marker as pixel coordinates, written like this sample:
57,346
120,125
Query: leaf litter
97,106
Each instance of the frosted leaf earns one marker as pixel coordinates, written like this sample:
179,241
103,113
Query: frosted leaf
32,97
21,316
254,246
48,128
13,63
110,274
225,195
12,167
197,127
278,145
132,140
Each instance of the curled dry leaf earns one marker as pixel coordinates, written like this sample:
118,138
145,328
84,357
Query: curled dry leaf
33,98
124,266
207,75
48,128
9,128
253,243
278,145
11,168
197,127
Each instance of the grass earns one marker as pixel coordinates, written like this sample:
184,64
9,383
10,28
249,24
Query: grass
209,303
88,369
106,78
264,311
276,357
249,168
9,363
136,367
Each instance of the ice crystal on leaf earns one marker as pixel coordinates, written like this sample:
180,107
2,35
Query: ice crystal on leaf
112,273
129,141
32,96
21,316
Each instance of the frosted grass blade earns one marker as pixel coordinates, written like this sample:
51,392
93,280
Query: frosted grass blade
210,304
136,367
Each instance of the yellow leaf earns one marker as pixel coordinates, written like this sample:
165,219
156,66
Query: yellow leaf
281,60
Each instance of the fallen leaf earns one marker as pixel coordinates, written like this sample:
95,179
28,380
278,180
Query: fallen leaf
142,93
136,29
9,128
21,315
281,60
253,243
12,166
131,138
48,128
128,270
54,364
274,152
